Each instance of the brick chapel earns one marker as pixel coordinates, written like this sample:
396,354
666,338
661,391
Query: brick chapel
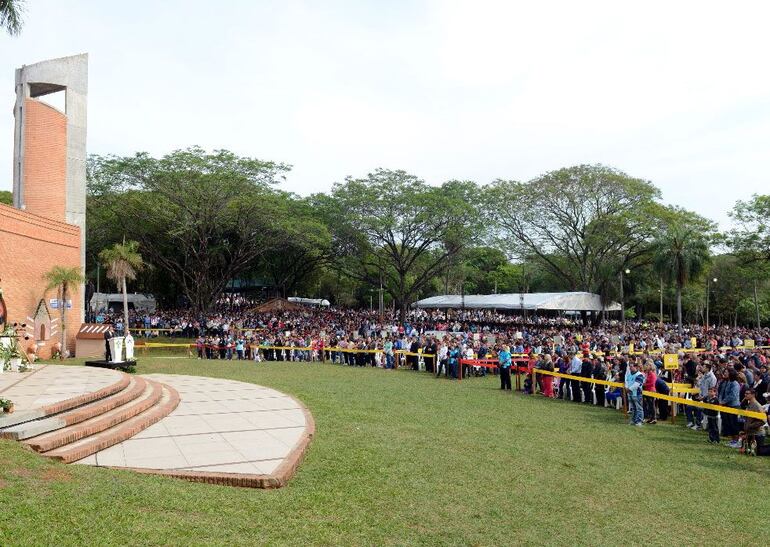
46,225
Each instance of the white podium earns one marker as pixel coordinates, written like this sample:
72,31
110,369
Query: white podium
116,349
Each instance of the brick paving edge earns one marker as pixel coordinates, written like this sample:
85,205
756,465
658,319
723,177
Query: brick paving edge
279,478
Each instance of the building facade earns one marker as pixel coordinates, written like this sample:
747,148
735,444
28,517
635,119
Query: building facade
46,225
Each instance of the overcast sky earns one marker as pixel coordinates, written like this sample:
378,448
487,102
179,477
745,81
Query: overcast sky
674,92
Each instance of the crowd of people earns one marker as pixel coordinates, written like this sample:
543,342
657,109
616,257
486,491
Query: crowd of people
730,370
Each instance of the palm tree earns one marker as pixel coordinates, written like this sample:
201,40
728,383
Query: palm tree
123,262
63,280
680,255
10,15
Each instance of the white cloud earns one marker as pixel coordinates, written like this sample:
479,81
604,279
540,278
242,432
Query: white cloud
675,92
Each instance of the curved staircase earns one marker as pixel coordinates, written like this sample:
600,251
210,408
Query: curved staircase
75,428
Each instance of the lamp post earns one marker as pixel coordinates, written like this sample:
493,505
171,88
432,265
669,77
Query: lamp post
708,298
622,298
661,301
381,303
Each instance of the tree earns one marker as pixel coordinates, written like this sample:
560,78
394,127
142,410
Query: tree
393,229
680,254
63,280
6,197
751,236
11,16
582,224
305,247
122,262
202,218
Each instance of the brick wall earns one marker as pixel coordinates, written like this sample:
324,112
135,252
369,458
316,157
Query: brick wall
30,245
45,160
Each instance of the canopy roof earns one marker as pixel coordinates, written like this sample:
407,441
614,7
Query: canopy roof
557,301
277,304
309,301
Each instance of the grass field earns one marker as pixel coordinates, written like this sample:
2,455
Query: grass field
403,458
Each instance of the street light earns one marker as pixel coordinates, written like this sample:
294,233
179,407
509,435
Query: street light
708,297
622,299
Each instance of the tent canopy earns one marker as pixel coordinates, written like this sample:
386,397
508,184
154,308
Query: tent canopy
277,304
309,301
555,301
140,301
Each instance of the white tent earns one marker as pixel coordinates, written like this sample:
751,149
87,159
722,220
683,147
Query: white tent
309,301
102,300
555,301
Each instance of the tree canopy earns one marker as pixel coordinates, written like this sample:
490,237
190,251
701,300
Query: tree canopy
392,229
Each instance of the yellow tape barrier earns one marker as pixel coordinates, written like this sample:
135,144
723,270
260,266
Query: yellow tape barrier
680,400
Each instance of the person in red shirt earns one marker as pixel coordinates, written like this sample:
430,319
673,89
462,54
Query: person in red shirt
650,377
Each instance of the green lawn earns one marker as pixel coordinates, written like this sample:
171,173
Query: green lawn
402,458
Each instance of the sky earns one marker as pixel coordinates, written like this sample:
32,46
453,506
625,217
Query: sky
677,93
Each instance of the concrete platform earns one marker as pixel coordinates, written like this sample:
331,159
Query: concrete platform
222,432
50,389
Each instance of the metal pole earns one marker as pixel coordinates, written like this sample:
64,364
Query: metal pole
622,303
708,294
382,304
756,305
661,301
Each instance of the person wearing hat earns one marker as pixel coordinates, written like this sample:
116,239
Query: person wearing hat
504,358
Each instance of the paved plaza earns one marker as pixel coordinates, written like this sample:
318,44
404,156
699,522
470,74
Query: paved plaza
219,426
47,385
203,429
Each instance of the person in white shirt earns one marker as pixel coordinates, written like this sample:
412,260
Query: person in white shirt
443,354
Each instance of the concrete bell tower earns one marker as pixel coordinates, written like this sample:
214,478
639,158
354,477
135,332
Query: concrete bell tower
49,147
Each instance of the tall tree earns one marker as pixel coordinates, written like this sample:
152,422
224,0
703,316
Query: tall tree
11,16
392,228
576,221
63,280
6,197
680,254
202,218
122,262
751,235
305,247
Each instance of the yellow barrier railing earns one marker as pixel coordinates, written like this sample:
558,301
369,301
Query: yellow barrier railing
654,395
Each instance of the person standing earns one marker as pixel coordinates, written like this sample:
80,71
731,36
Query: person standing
387,348
443,356
650,379
586,369
547,365
662,387
712,416
634,382
413,357
504,358
454,358
239,345
729,395
576,367
599,373
108,335
753,425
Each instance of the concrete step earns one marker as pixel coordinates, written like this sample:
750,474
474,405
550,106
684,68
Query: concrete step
118,433
150,396
8,420
135,388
